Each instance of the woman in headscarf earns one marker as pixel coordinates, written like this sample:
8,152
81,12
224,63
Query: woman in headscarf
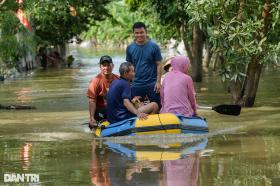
177,90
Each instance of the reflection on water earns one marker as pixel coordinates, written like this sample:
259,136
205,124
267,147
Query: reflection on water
23,95
172,164
25,155
242,158
53,142
181,172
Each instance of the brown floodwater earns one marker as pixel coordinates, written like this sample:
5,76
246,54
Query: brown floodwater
54,142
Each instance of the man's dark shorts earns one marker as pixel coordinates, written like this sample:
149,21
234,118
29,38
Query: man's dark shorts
146,91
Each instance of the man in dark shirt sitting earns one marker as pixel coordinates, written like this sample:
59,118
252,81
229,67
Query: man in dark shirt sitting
119,105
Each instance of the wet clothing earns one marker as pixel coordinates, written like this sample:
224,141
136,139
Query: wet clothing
144,58
177,90
116,111
97,91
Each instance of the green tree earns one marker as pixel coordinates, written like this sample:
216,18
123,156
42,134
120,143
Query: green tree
58,21
15,40
8,5
246,36
117,29
54,22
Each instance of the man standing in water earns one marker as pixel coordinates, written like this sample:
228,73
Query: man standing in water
98,89
146,58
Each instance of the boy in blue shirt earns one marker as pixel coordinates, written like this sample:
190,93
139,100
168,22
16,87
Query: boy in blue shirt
119,105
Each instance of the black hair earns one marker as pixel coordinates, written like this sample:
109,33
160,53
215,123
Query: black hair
166,67
139,25
125,68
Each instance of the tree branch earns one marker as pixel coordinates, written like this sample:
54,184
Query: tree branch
240,11
2,2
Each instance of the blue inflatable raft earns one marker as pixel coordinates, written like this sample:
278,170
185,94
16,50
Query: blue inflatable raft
155,124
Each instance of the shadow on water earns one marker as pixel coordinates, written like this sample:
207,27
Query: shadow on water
53,142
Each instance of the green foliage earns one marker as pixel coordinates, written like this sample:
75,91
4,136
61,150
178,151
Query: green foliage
117,30
8,40
172,15
134,4
14,41
8,5
56,25
54,22
241,38
235,33
236,41
158,17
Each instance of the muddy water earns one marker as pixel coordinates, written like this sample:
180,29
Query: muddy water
53,141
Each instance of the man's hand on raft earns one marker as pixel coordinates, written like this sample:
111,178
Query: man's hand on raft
92,124
142,115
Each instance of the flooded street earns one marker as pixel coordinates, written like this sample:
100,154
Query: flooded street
54,142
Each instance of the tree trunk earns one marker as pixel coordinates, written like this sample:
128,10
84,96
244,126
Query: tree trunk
241,10
62,50
189,50
250,85
197,48
208,54
235,88
194,51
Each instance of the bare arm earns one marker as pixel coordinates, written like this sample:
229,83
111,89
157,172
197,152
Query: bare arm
92,109
157,85
133,110
191,95
162,94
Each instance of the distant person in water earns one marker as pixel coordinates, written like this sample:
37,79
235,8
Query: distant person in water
69,61
97,91
177,90
119,100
